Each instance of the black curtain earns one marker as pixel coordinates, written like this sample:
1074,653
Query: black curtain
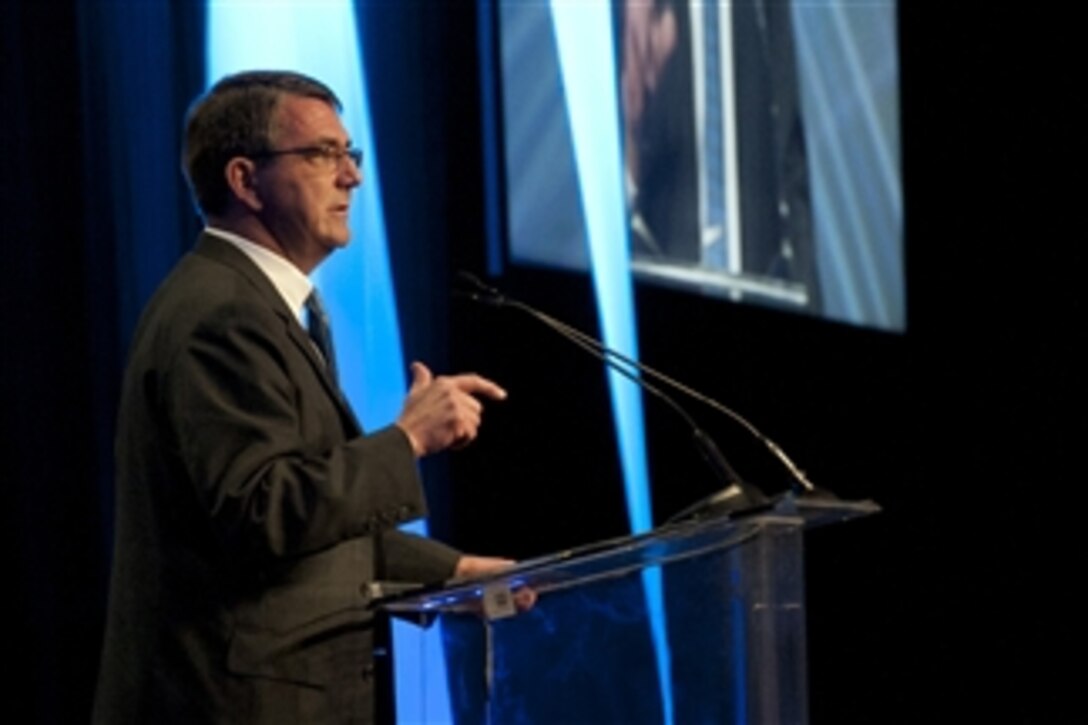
52,525
94,213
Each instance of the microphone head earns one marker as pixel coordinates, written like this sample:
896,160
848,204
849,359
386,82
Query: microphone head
481,292
476,282
736,499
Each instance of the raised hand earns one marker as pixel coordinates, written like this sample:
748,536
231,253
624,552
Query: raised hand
444,412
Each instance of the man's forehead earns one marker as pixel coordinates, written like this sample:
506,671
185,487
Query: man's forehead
307,118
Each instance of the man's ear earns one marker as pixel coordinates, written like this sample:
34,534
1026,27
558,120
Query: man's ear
241,176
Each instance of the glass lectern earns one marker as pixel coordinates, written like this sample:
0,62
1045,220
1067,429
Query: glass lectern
695,622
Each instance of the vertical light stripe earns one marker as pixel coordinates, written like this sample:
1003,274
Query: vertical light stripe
735,253
320,38
584,35
489,113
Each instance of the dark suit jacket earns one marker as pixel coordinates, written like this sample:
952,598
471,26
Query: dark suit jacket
252,512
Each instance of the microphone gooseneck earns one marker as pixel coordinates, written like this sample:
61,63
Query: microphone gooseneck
737,494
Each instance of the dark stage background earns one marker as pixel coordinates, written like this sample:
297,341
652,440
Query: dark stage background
952,605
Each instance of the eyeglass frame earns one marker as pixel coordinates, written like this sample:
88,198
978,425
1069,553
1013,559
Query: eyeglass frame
328,152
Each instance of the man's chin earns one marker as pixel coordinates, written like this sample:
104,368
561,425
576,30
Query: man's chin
338,239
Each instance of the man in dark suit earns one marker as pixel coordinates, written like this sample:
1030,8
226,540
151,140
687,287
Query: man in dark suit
253,513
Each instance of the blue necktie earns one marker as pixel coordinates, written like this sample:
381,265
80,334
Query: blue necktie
317,323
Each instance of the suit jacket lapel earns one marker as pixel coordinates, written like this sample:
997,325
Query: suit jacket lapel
222,251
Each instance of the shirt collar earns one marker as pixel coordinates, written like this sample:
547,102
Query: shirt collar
293,286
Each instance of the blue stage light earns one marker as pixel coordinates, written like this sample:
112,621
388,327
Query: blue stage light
321,40
584,34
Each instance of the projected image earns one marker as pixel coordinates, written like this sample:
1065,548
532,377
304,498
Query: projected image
760,146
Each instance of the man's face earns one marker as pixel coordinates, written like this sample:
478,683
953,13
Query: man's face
305,196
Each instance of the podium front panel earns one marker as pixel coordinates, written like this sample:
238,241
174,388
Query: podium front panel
711,633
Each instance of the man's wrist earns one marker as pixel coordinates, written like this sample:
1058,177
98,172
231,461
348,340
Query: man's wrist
413,442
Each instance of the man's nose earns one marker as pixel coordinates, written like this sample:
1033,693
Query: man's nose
350,174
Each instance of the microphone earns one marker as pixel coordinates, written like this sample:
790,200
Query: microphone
737,496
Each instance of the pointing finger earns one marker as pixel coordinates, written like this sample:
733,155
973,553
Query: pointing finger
478,385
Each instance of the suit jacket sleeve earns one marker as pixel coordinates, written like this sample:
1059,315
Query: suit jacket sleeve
410,558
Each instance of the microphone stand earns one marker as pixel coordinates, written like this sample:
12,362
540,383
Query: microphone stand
737,496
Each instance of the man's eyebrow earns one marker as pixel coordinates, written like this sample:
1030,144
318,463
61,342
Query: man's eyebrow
333,141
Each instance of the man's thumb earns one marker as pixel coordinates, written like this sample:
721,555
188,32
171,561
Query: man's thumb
421,375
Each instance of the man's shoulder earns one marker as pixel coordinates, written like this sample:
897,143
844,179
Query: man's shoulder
196,285
203,293
215,271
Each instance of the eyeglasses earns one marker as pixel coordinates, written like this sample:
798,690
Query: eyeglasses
328,155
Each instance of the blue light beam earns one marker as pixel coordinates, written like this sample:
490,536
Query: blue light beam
321,40
583,32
